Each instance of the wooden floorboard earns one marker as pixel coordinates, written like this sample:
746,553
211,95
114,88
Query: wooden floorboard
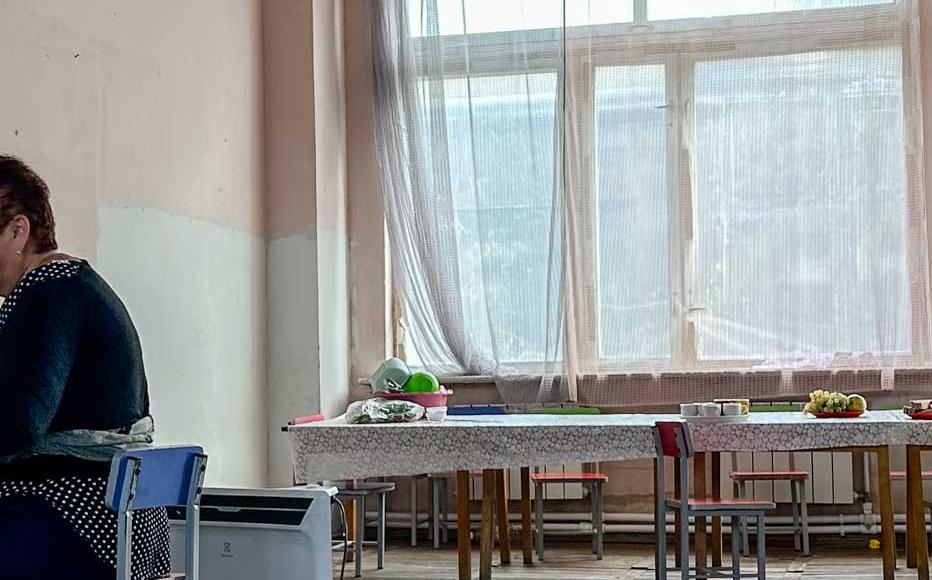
571,560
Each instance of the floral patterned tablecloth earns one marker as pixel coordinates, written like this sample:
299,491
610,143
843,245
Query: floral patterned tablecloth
334,449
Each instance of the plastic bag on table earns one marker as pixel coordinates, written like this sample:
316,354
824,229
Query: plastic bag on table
383,411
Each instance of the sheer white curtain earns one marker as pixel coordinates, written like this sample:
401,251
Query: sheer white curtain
582,192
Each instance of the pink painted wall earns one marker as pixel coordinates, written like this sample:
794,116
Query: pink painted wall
369,304
146,120
288,56
171,109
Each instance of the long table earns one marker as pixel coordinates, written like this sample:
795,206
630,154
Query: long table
334,449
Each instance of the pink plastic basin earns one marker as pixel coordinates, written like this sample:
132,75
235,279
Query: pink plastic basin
438,399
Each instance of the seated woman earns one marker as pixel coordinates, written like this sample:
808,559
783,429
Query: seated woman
72,392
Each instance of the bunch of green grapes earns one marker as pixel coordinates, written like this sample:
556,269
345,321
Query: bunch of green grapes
826,402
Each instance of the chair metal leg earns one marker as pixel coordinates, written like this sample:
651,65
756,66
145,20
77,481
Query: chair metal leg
661,535
797,528
804,510
593,508
539,519
360,533
380,531
736,547
744,523
684,541
600,528
761,548
435,516
414,511
444,511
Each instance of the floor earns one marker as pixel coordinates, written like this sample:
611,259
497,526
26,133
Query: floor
832,559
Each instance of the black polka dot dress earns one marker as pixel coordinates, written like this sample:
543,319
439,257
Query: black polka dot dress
67,302
80,502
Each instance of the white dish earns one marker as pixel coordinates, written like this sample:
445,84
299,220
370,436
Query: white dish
718,419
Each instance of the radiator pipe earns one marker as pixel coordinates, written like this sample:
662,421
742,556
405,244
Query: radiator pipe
841,524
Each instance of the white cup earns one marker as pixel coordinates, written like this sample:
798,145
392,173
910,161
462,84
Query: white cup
710,409
732,409
689,409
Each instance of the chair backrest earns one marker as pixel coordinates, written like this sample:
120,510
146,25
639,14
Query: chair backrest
163,476
672,439
154,477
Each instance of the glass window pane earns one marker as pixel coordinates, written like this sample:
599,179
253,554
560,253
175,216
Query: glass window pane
801,206
501,147
670,9
633,259
444,17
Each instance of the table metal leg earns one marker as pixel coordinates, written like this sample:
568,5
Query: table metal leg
539,519
526,533
414,511
504,528
916,517
887,538
716,520
360,533
462,525
435,515
380,532
486,525
699,490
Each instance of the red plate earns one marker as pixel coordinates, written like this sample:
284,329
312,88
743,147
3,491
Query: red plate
839,415
921,416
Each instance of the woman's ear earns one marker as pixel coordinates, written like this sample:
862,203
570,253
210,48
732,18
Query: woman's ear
21,228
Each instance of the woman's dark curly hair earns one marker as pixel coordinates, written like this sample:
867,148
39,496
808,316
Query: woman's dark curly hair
22,192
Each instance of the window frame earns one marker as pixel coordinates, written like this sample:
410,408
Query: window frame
679,45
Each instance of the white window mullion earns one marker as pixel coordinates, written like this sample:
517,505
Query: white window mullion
582,181
678,304
640,10
687,191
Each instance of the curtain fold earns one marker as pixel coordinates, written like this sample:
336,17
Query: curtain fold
580,191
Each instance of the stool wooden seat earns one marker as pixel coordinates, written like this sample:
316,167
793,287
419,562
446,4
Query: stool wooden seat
568,477
770,475
901,475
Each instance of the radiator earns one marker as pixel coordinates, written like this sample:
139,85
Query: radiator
830,477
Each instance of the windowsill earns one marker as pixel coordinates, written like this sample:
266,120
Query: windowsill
912,372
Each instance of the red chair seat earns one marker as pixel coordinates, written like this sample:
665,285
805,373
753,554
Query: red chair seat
724,504
902,475
769,475
569,477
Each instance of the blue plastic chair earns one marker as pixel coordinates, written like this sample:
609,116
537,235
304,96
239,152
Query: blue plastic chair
155,477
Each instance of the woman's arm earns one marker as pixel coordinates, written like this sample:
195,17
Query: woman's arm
37,349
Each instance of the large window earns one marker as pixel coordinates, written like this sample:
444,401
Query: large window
744,165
